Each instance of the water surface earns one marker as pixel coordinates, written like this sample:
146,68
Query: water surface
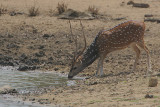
27,81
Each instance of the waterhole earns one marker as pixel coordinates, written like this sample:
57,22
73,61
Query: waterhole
27,81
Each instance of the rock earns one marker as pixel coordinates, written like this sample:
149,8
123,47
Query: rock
44,101
6,58
122,3
158,74
152,20
148,96
20,13
50,58
107,61
120,18
23,68
73,14
32,99
46,36
62,72
41,47
27,60
70,41
56,69
34,30
33,68
6,63
10,36
12,13
26,68
40,54
130,3
9,46
35,60
141,5
93,83
120,62
9,63
153,82
147,30
148,15
57,42
23,56
7,90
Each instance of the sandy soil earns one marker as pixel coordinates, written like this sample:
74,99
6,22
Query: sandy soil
130,92
45,42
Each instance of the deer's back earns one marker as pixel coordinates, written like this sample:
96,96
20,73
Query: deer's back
120,36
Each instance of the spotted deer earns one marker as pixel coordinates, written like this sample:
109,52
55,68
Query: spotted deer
130,33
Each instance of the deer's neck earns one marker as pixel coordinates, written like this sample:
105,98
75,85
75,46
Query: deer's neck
90,55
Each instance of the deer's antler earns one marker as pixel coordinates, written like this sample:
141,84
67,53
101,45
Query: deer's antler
75,40
85,43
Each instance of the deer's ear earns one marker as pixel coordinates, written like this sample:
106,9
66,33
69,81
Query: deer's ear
79,59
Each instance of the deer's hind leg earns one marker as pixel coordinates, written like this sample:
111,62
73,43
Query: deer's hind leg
137,51
142,45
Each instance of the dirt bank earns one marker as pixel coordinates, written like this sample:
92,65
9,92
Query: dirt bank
103,92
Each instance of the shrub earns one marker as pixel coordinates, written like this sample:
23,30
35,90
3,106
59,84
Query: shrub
3,10
52,12
33,11
93,10
62,7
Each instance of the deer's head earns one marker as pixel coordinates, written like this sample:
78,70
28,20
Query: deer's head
77,65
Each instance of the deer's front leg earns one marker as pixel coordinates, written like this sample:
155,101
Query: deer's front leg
100,67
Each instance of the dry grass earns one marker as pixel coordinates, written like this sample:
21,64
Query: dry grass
62,7
153,82
33,11
93,10
3,10
52,12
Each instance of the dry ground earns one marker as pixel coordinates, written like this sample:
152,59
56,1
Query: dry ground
23,40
